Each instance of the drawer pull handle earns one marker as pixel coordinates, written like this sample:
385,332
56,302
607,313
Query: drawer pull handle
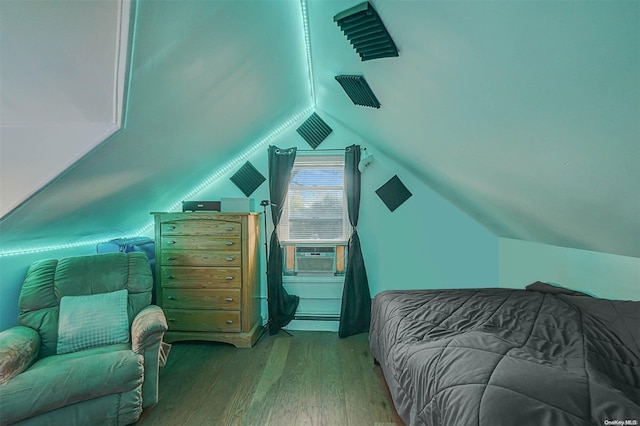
229,228
171,227
171,242
229,278
171,319
228,299
171,297
229,259
228,243
171,258
171,277
229,321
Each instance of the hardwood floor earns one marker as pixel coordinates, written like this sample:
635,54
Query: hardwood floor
312,378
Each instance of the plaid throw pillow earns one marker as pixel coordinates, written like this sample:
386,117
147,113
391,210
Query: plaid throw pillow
95,320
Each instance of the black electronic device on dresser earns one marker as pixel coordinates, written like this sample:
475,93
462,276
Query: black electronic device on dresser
205,206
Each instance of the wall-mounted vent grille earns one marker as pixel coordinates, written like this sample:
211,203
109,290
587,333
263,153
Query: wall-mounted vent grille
366,32
314,130
358,90
248,178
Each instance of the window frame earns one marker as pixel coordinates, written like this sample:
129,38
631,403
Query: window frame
340,245
307,161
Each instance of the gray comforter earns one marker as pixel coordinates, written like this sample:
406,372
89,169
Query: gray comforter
542,356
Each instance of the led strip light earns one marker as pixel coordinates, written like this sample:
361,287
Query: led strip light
230,165
227,167
307,43
218,173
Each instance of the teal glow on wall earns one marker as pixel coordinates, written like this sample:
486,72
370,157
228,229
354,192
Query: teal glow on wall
209,78
13,270
203,88
233,163
307,44
599,274
43,249
426,243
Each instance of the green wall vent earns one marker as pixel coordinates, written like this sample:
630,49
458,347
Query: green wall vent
314,130
358,90
248,178
366,32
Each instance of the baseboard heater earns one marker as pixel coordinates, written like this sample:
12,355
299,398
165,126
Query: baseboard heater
317,317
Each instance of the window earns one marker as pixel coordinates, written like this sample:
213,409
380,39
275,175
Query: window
314,226
316,207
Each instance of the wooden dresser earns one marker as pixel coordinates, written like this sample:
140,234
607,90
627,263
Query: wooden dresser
207,269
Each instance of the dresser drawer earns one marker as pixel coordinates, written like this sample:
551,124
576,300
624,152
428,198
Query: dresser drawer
196,242
201,320
200,258
195,298
200,277
217,228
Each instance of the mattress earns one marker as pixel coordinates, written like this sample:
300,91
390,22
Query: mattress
487,357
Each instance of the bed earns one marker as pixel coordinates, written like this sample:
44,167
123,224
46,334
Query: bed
487,357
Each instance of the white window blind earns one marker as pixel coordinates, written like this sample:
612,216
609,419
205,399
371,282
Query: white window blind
316,207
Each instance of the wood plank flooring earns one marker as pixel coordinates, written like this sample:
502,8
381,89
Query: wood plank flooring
312,378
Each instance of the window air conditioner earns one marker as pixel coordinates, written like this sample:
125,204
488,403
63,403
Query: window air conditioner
315,259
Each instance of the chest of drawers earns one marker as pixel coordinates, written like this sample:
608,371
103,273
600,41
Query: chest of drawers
207,271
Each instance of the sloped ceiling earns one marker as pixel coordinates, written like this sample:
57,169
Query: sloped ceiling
207,79
523,114
58,93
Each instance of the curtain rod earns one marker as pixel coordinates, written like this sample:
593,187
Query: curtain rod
327,149
316,150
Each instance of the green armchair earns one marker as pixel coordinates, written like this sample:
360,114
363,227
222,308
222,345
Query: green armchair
88,344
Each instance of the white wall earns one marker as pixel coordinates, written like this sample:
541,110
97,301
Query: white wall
600,274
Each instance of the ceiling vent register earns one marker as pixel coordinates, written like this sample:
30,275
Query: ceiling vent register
366,32
314,130
248,178
358,90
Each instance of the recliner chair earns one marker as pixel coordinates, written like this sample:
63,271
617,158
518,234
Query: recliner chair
69,360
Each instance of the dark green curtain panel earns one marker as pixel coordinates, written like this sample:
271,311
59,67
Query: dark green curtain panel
281,305
355,313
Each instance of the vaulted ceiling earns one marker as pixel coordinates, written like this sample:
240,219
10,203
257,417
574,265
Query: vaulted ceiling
526,115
